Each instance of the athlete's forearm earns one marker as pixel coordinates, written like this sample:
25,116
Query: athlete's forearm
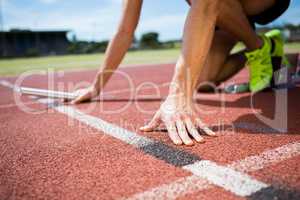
120,43
198,34
115,53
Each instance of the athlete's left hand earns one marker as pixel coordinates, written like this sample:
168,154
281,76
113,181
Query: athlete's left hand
182,123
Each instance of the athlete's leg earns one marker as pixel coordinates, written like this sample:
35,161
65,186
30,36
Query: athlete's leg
233,65
232,18
255,7
220,49
220,65
241,29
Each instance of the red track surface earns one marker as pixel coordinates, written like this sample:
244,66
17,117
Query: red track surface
48,156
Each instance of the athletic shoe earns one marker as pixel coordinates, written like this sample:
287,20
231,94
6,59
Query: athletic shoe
279,60
260,65
277,51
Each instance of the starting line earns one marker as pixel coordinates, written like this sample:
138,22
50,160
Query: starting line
236,182
226,177
231,178
192,184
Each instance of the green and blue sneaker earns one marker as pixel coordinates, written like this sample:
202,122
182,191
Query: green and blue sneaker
260,66
279,60
277,50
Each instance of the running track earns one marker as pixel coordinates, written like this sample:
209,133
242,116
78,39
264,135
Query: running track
91,152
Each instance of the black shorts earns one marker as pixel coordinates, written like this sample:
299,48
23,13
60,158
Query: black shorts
270,14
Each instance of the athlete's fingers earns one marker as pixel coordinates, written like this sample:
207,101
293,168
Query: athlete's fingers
193,130
77,93
81,98
153,124
204,127
181,130
171,127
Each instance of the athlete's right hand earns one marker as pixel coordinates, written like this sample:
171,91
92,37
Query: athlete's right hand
86,94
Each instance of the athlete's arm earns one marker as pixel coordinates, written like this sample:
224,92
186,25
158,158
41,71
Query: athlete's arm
116,50
179,112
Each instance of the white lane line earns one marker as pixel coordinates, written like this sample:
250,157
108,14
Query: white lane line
124,135
269,157
236,182
187,185
239,184
173,190
9,85
108,128
225,177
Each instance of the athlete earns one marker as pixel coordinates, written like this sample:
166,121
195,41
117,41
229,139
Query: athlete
211,30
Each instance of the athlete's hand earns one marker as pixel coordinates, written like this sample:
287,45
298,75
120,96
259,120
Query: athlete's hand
181,121
86,94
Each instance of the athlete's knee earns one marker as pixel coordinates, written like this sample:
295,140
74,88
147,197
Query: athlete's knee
209,6
255,7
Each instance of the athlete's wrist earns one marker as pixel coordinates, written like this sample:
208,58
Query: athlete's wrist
181,90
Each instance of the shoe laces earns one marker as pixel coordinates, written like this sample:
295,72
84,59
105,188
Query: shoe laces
258,57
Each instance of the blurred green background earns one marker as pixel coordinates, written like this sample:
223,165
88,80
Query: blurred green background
15,66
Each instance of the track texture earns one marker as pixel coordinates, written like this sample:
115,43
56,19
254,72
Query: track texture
48,155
